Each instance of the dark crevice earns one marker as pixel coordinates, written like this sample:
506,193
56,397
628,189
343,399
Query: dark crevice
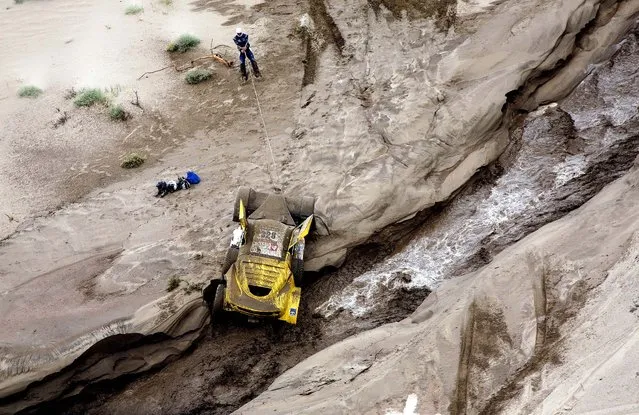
325,24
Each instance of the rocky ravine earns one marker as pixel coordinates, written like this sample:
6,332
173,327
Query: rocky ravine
559,157
549,326
399,113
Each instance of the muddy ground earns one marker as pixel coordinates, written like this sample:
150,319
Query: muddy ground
73,191
234,362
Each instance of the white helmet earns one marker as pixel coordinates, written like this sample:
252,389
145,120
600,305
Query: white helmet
239,31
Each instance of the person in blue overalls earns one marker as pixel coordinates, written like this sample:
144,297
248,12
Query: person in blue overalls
243,45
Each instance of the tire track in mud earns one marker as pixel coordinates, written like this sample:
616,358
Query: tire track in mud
325,32
460,403
484,336
484,323
552,313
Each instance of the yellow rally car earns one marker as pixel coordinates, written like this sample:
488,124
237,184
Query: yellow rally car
265,261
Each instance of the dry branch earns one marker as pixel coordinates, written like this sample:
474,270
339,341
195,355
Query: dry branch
137,101
191,64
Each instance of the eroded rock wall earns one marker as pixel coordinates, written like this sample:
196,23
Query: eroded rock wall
548,325
404,108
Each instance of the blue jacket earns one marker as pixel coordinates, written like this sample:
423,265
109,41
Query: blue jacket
241,40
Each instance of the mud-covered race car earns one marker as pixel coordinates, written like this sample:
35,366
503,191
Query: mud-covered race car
265,262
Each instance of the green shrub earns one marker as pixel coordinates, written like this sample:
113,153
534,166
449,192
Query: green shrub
90,96
132,161
195,76
134,9
183,43
173,283
117,112
29,91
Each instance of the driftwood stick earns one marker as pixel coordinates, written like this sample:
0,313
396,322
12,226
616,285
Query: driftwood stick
157,70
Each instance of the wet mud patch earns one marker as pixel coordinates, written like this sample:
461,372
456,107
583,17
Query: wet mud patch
556,304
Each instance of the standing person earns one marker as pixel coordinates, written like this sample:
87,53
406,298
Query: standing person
243,45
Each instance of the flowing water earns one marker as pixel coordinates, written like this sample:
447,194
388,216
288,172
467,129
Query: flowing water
565,155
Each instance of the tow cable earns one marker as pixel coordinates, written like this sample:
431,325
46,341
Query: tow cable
272,172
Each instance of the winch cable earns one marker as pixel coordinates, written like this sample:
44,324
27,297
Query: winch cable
273,171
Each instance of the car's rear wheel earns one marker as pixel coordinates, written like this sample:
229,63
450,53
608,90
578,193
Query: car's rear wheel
252,200
216,306
301,207
276,329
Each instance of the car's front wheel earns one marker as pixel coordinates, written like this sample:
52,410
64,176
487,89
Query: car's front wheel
231,256
208,293
297,268
216,307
